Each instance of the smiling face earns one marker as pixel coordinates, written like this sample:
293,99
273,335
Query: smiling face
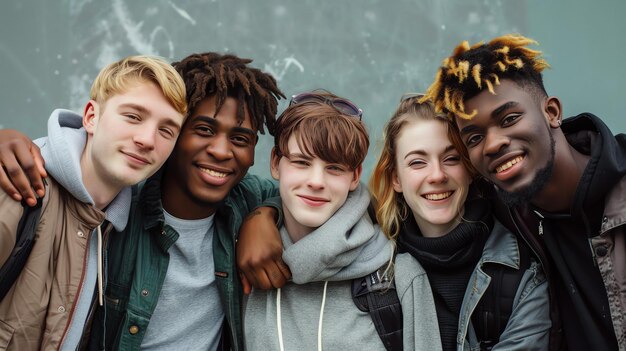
509,140
430,176
129,136
311,189
211,157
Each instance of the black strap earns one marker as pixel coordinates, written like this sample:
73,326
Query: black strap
25,238
376,294
496,305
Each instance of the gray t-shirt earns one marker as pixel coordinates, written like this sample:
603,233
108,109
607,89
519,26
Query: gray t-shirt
188,315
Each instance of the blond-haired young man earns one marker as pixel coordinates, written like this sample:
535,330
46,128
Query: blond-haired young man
129,127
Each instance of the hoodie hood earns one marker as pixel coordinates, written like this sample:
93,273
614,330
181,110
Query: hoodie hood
347,246
62,150
590,136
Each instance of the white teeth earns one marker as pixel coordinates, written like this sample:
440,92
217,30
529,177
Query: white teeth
439,196
213,173
509,164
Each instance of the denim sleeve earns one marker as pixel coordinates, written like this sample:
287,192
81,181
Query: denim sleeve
529,325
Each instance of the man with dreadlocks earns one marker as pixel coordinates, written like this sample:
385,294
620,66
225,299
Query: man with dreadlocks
173,264
564,181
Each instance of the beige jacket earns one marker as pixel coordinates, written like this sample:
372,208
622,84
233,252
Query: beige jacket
36,312
609,249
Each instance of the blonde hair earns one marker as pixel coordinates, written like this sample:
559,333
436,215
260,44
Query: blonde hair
119,76
470,69
390,207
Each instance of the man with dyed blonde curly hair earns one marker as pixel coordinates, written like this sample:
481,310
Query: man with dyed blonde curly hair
564,181
127,130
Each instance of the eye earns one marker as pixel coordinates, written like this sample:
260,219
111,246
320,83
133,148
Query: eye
510,119
204,130
240,140
337,168
452,160
299,162
167,133
417,163
473,139
132,117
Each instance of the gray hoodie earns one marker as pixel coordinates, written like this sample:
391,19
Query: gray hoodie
61,150
316,309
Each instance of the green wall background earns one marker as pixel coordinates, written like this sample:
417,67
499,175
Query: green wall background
371,51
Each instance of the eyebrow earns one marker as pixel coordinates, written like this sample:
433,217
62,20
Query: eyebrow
507,105
423,153
299,155
494,114
214,122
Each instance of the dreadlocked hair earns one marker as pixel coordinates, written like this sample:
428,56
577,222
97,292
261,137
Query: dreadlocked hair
471,69
210,73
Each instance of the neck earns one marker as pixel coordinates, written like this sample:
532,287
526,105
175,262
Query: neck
102,192
558,194
295,230
178,202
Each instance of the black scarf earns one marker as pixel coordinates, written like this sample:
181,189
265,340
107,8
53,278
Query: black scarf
449,261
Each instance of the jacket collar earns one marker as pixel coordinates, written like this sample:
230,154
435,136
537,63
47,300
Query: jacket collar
501,247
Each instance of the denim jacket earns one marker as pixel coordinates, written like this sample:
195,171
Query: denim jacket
137,261
529,325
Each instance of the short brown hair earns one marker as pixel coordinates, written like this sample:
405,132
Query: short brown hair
119,76
322,131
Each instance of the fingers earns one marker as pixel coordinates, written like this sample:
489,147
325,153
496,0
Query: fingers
277,276
258,279
7,186
32,178
41,169
271,275
22,165
284,269
14,180
247,288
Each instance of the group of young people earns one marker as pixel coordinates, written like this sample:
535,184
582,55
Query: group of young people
489,223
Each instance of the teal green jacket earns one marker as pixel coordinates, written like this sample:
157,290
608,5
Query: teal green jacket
137,260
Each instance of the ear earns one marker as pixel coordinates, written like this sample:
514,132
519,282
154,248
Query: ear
356,177
553,111
274,161
90,116
396,182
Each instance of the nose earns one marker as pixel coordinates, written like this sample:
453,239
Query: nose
315,178
494,143
145,137
437,174
220,148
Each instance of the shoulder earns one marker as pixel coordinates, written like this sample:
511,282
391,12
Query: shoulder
252,184
407,272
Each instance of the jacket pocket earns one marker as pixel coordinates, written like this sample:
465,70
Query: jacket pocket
6,334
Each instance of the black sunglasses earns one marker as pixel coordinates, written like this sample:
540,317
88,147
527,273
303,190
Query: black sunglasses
342,105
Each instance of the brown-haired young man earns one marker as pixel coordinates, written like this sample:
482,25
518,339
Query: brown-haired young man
564,180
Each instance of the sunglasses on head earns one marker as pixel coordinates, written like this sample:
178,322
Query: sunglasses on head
342,105
409,96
